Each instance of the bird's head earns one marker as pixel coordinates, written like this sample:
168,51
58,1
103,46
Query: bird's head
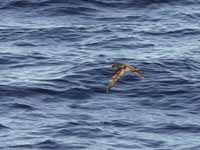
116,66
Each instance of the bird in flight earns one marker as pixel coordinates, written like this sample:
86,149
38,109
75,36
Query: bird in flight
120,70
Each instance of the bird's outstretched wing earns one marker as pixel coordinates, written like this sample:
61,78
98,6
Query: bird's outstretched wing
121,68
135,70
118,73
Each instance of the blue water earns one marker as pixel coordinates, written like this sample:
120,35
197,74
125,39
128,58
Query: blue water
55,61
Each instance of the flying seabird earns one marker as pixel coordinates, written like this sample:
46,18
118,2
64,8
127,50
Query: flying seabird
121,69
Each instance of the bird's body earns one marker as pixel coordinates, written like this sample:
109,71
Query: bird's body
121,69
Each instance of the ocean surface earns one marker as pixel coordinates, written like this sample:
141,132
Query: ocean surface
55,62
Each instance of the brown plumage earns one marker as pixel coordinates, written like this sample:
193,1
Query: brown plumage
121,69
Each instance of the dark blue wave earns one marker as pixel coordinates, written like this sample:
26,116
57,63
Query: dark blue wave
173,129
34,4
47,144
16,106
3,127
176,33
